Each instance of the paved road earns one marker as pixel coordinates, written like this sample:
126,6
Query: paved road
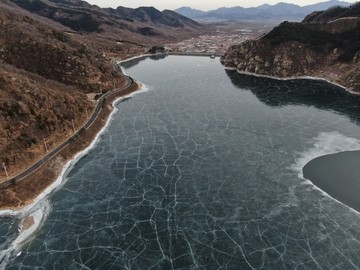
34,167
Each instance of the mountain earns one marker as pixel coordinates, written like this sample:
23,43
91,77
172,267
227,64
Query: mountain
278,12
325,44
190,12
326,5
45,74
127,23
336,13
184,20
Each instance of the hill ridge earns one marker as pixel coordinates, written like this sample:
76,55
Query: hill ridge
328,48
277,12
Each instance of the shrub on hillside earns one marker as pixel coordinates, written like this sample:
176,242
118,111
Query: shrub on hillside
289,31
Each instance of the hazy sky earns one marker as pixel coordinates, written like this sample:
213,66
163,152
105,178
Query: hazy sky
204,5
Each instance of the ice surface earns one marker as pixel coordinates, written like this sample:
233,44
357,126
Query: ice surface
197,174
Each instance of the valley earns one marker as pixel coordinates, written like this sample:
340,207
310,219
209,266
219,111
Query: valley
222,36
119,151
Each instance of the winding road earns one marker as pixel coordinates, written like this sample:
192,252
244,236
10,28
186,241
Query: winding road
35,166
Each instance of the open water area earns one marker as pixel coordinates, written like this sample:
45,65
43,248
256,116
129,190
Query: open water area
202,171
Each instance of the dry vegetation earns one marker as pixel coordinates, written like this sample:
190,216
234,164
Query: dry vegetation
46,71
24,192
50,66
34,109
325,45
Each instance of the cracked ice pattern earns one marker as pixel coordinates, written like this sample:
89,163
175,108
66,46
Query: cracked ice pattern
196,174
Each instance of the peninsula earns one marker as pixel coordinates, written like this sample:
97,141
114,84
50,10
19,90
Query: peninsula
324,45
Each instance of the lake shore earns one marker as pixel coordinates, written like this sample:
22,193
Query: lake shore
24,195
318,78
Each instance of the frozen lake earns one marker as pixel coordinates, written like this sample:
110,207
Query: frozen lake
203,171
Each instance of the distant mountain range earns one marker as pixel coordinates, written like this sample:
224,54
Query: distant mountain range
279,12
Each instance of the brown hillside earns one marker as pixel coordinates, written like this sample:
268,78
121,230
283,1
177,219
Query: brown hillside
45,72
53,53
28,42
144,25
329,49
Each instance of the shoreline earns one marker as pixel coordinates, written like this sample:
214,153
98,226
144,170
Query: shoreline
294,78
35,211
52,174
60,180
76,154
307,169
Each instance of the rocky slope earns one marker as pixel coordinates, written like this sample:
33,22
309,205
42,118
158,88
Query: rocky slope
33,109
326,44
55,57
141,25
44,77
